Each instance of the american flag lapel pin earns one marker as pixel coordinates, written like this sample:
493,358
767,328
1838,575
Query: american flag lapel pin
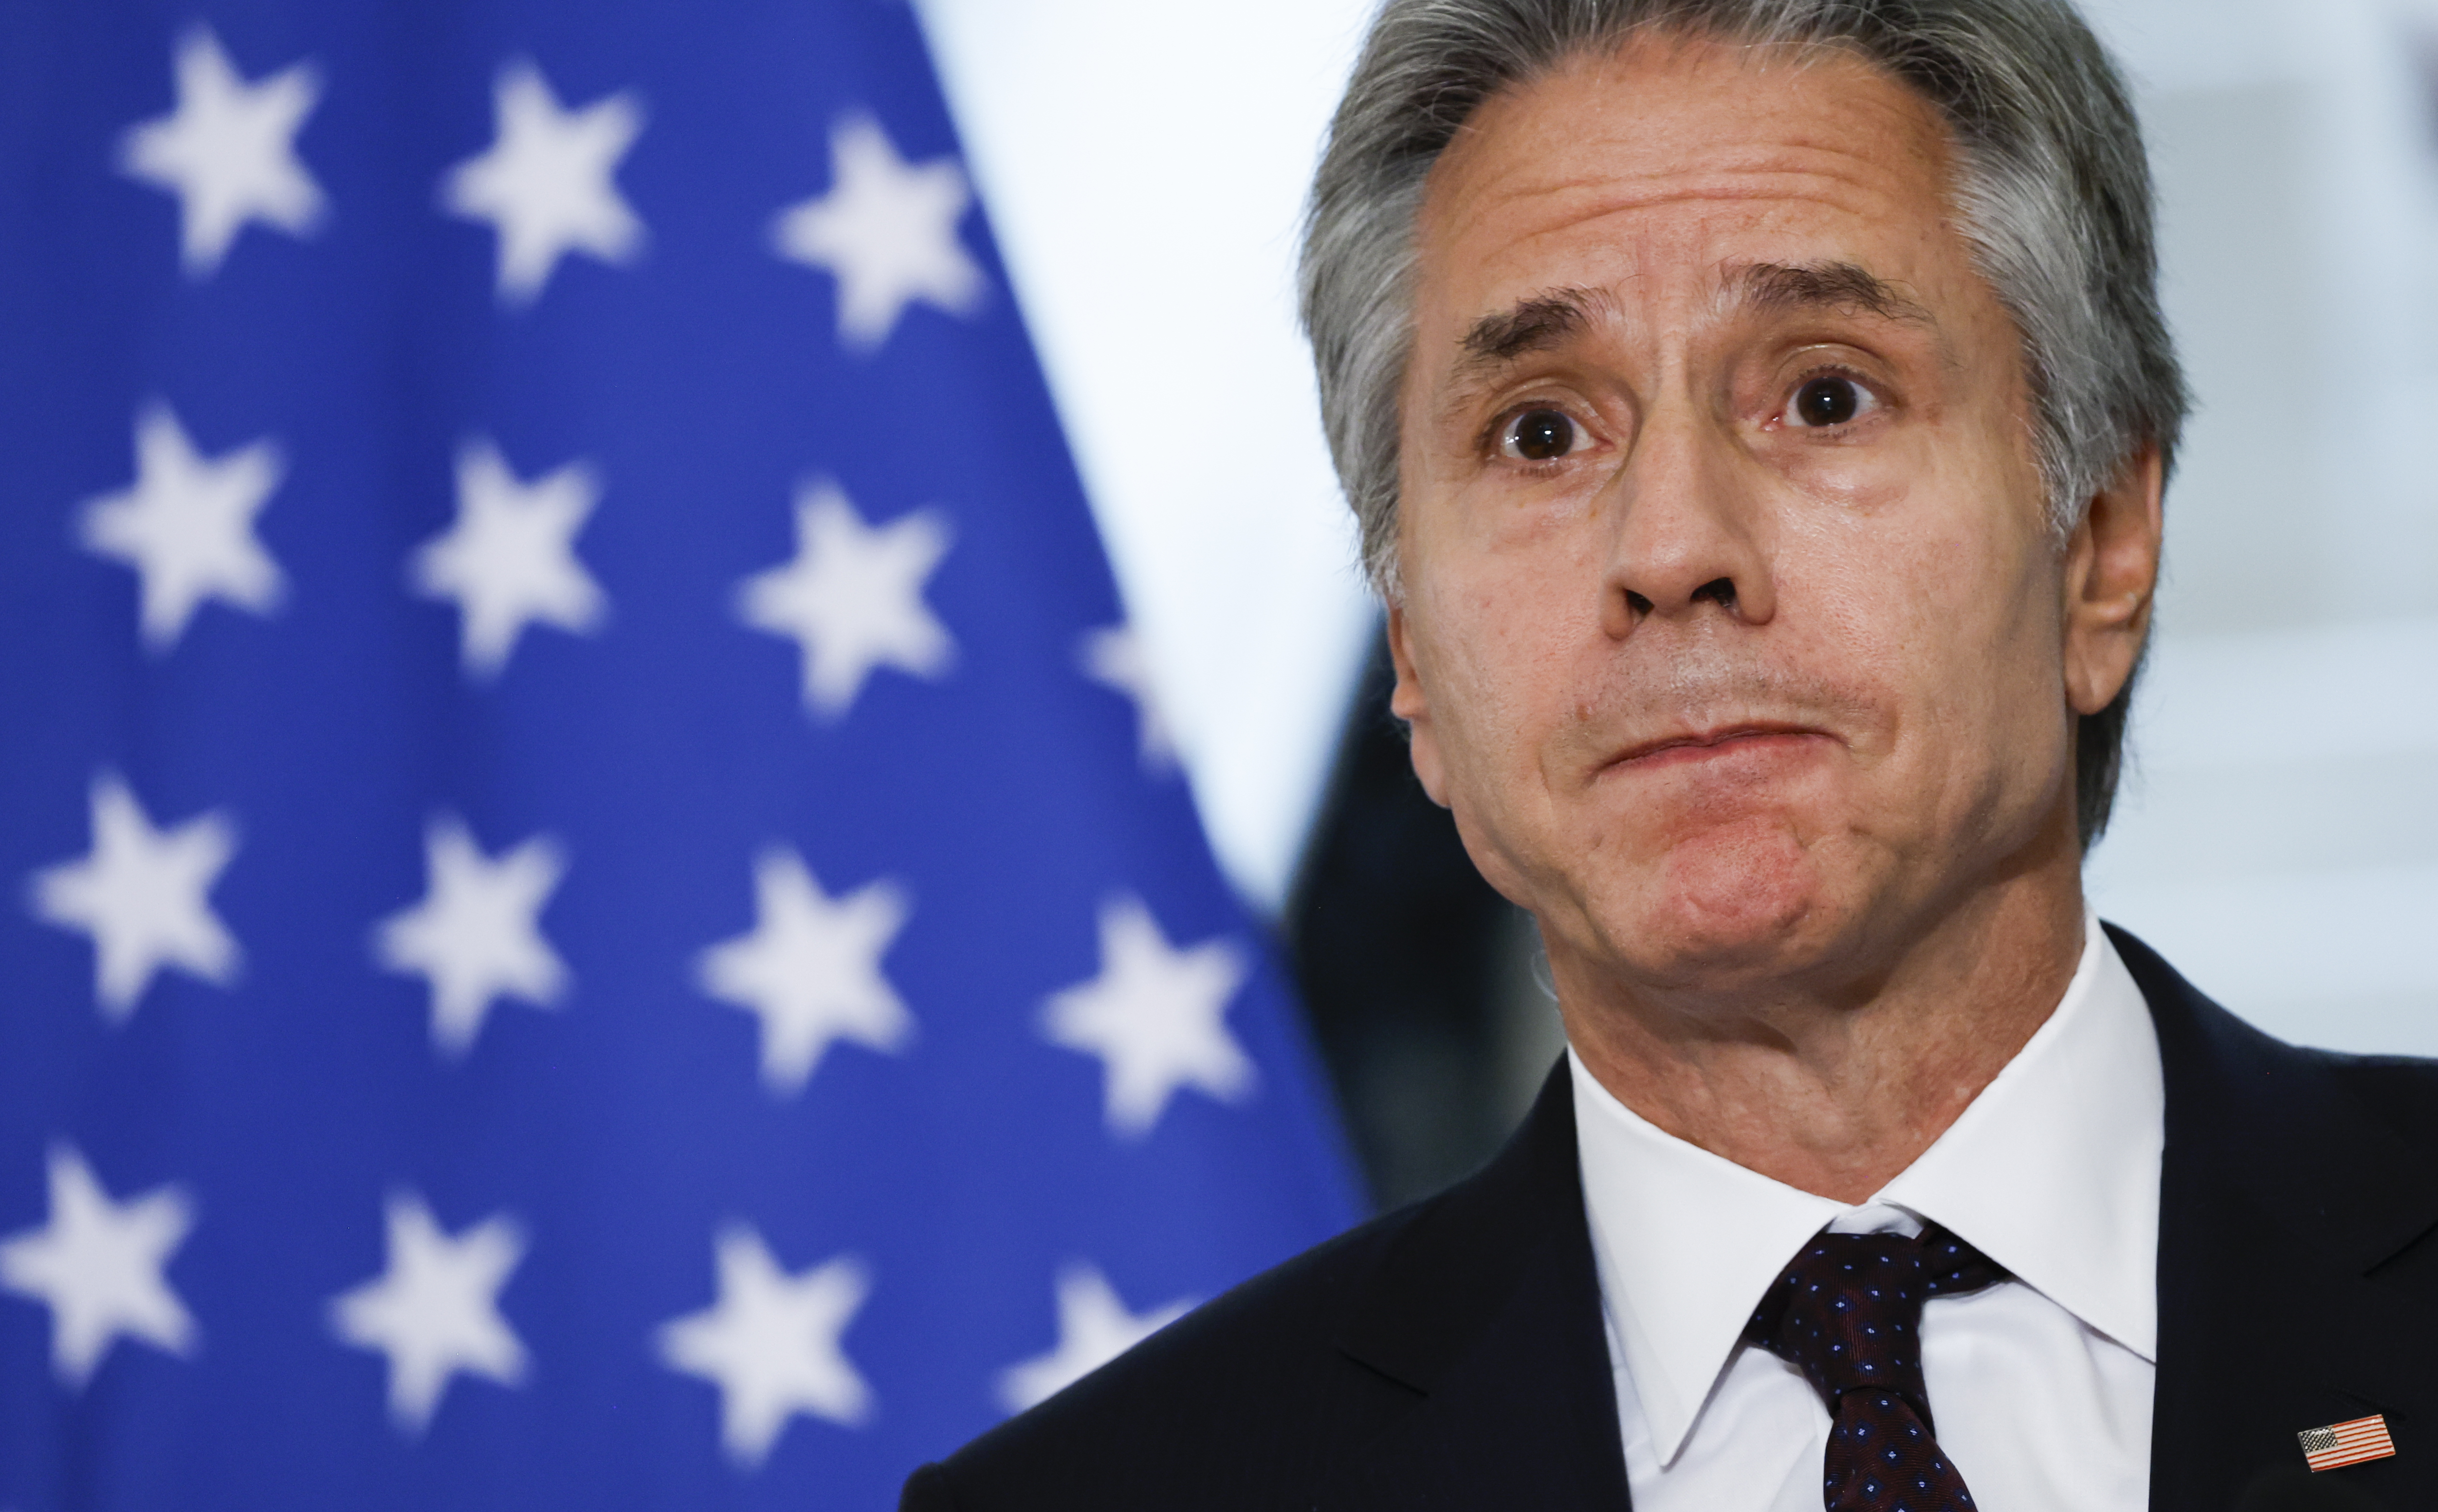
2341,1444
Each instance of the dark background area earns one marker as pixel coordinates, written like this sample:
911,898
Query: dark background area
1420,980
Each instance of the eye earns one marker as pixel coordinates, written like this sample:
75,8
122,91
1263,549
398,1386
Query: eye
1539,435
1829,399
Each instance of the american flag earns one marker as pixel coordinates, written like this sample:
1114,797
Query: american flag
597,913
2348,1443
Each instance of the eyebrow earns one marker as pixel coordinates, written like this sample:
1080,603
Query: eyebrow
1552,319
1534,325
1549,320
1843,287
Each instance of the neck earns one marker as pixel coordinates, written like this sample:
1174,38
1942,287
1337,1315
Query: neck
1835,1079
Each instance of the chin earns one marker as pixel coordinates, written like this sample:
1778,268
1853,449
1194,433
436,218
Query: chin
1730,900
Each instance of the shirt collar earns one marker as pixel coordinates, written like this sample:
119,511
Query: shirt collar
2052,1171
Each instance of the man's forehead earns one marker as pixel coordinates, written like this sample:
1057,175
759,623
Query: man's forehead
1659,119
1684,173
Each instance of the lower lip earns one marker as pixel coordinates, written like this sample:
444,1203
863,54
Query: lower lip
1758,743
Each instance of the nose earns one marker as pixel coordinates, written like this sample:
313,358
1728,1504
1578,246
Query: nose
1687,539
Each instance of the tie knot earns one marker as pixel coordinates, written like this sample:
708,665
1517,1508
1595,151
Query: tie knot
1847,1310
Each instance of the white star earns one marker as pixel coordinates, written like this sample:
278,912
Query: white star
887,230
510,559
475,935
228,152
811,969
1158,1016
853,597
1094,1328
1113,658
97,1265
772,1344
186,525
143,895
546,183
435,1309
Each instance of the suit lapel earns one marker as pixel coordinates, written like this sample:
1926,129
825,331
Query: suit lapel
1489,1309
2277,1195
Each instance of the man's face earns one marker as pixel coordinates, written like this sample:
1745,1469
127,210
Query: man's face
1733,630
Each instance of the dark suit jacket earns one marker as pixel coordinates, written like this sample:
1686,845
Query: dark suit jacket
1451,1355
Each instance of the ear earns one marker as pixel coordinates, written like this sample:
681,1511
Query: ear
2111,575
1412,704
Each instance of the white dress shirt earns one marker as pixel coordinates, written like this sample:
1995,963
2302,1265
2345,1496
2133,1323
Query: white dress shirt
2039,1387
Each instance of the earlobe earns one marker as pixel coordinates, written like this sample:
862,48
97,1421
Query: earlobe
2111,575
1412,704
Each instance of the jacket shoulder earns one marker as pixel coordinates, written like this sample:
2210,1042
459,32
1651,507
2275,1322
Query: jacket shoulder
2400,1091
2400,1094
1479,1302
1238,1402
2342,1147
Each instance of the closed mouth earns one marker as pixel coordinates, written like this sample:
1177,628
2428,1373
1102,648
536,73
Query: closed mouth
1692,744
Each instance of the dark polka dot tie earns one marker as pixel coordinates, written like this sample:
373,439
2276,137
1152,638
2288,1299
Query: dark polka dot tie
1846,1311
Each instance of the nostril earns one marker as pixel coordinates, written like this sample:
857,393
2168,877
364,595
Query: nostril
1635,602
1720,588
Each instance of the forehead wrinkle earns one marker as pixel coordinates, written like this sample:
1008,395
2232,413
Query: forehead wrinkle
1842,180
1550,316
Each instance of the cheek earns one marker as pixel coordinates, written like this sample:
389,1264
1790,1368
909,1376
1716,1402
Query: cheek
1502,650
1490,680
1954,620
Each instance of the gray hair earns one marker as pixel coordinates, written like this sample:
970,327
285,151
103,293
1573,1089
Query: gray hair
2052,190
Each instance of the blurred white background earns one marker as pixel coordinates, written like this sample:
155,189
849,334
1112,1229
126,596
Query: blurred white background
1144,167
2278,839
